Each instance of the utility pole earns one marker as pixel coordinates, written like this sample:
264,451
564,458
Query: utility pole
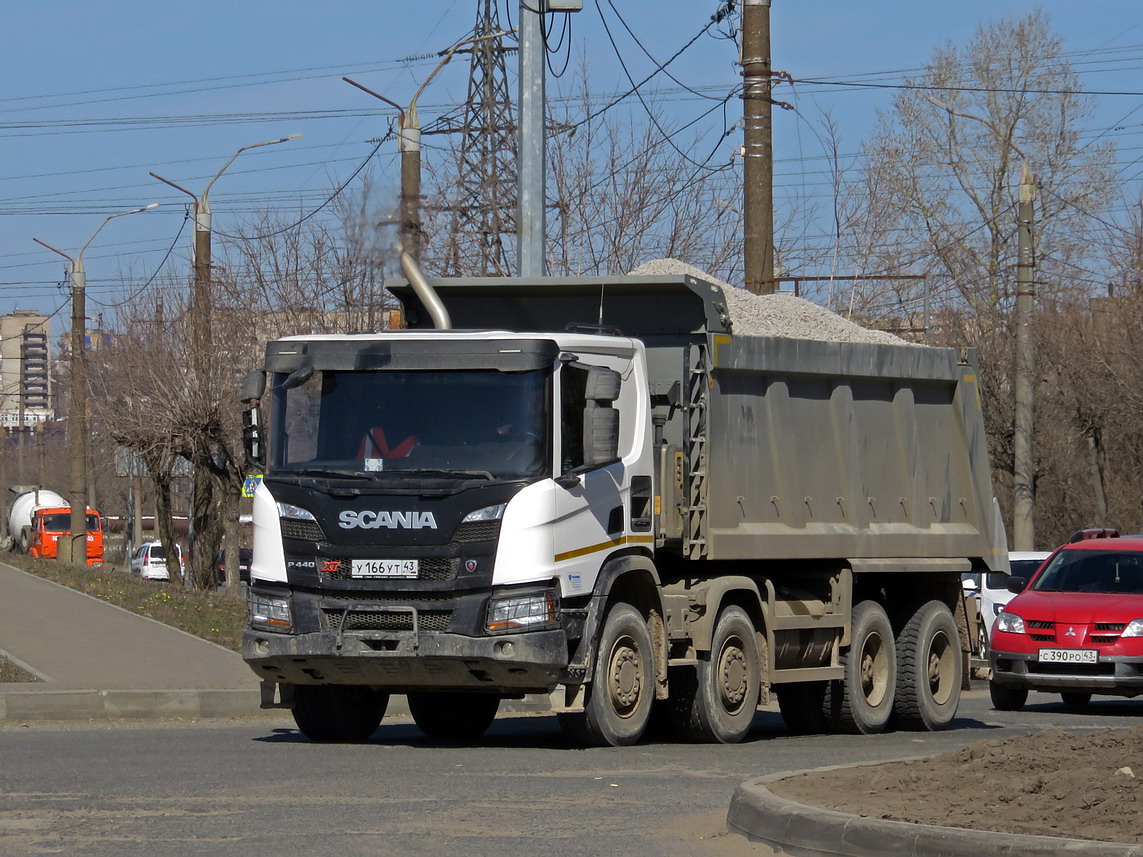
1023,471
74,549
531,146
758,149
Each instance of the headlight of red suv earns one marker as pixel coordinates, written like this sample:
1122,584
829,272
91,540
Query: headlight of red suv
1010,623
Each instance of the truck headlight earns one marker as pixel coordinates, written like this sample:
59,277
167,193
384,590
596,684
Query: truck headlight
297,513
1010,623
270,612
1134,629
488,513
522,611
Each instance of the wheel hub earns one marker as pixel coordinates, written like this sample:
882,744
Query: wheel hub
626,677
733,678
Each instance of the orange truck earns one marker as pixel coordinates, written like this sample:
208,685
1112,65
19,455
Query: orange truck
38,519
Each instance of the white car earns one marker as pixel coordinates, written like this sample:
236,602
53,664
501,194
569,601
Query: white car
990,591
150,561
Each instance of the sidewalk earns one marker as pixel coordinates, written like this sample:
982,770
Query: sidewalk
96,660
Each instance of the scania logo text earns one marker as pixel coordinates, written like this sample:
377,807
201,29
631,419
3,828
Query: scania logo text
370,520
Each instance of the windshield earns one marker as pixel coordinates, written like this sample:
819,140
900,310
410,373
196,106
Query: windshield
1093,571
483,423
61,522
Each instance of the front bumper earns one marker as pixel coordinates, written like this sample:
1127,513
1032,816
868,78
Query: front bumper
400,661
1114,676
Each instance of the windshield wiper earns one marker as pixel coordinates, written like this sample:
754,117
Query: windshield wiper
337,474
437,471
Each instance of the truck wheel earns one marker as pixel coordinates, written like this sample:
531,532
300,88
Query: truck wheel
929,670
861,703
1007,698
618,701
716,701
1075,698
803,707
453,715
338,712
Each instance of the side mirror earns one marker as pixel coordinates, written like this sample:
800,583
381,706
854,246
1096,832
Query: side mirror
1016,585
600,436
253,386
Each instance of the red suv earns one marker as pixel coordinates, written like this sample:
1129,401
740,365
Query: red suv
1075,629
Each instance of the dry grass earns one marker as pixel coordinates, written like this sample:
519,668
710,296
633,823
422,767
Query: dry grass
9,672
215,616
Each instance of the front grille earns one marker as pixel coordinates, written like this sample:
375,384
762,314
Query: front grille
1040,624
308,531
1103,639
1042,638
1110,626
477,531
432,568
372,620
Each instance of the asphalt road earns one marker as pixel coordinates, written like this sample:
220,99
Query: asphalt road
244,787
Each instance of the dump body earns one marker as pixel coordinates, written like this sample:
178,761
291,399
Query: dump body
709,513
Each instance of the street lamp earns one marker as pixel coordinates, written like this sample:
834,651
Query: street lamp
409,145
1024,380
75,548
200,304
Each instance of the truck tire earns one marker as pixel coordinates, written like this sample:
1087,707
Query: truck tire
453,716
338,712
715,702
618,702
929,670
803,707
861,703
1007,698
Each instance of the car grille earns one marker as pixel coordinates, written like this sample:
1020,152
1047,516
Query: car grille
308,531
380,620
1111,631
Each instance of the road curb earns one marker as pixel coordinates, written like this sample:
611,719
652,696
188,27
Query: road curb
805,831
22,705
45,704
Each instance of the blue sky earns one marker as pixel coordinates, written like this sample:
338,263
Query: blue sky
93,96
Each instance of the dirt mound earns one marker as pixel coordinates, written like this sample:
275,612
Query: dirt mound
1050,783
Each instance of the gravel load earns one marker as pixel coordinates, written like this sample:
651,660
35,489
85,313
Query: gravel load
783,316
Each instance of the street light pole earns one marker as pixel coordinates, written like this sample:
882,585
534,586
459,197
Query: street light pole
200,312
1024,380
200,299
409,145
74,549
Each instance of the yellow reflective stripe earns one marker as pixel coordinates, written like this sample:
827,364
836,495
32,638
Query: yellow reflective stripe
622,540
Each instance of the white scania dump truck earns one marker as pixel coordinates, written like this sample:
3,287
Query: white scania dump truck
608,491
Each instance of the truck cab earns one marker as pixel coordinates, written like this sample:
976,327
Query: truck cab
443,496
52,524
